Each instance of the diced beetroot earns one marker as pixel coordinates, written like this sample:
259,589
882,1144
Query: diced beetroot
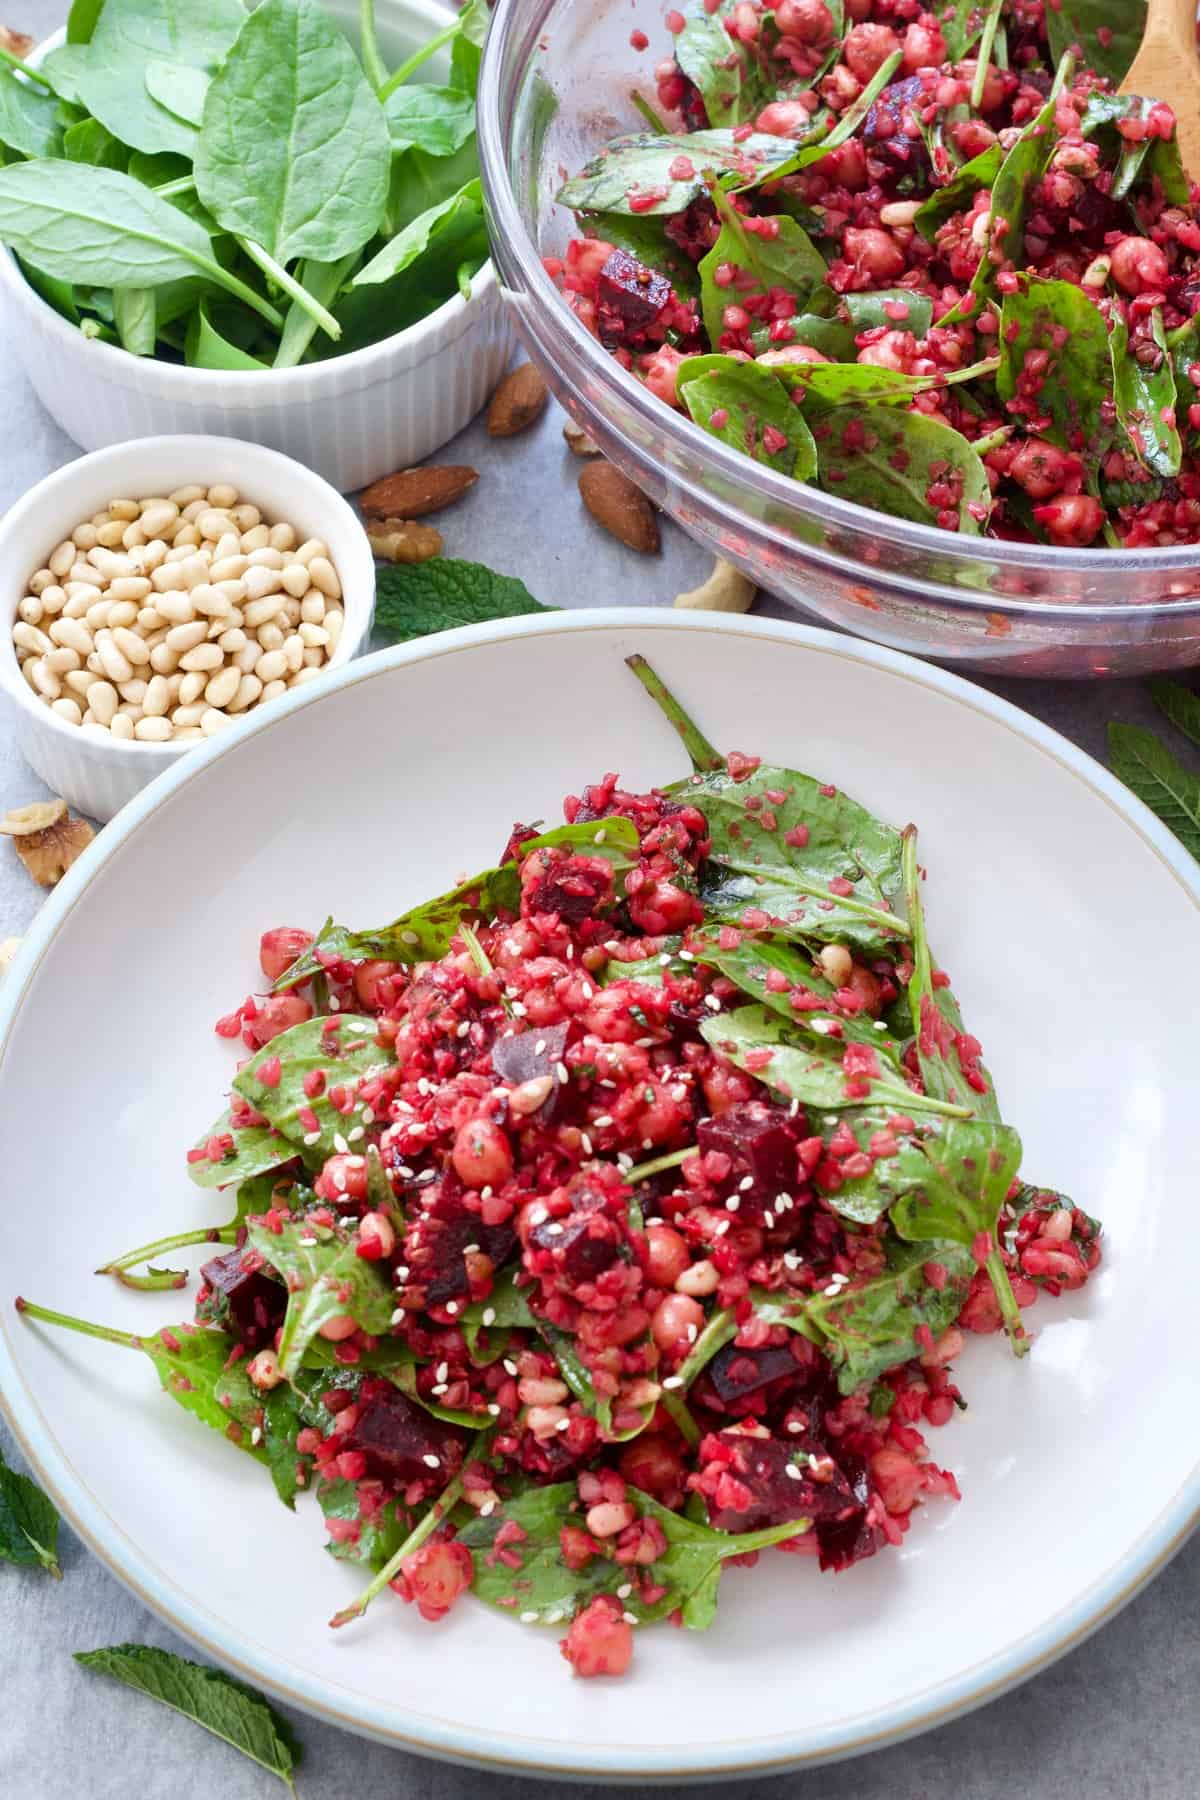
760,1142
629,298
398,1439
254,1299
851,1539
520,834
574,887
584,1243
437,1239
526,1055
901,153
746,1483
735,1373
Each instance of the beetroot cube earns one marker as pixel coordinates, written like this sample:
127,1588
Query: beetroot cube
760,1142
399,1439
629,293
255,1300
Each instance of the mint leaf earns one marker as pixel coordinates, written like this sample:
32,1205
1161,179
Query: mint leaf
1181,705
1145,765
28,1524
415,599
213,1699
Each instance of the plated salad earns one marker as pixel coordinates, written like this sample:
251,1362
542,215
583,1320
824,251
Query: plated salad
929,261
238,189
614,1217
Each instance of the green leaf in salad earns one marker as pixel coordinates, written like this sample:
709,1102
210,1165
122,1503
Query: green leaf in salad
1172,792
29,121
294,152
213,1699
322,282
821,139
889,459
380,1531
1138,160
256,1151
28,1524
1107,36
746,407
959,192
936,1020
755,965
634,174
807,1067
819,386
466,50
343,1049
897,309
1146,397
1058,319
100,227
744,265
864,1331
734,81
108,73
326,1279
952,1187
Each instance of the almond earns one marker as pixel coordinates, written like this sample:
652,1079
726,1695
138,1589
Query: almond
614,502
518,402
18,42
403,541
411,493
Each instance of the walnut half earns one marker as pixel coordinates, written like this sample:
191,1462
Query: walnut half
49,851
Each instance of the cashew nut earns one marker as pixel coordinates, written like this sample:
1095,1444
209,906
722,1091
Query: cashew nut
726,590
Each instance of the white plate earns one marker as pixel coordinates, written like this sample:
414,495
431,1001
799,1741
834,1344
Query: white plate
1067,917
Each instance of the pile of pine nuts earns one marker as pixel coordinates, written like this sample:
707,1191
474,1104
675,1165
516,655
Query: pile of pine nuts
163,620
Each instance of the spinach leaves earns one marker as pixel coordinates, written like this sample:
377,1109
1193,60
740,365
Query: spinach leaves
905,463
647,175
325,1278
289,172
745,406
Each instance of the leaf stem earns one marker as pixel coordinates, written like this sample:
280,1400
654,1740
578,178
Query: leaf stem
644,1170
171,189
23,68
1010,1312
126,1339
433,1518
275,272
648,113
242,289
984,54
400,76
183,1240
705,758
373,64
677,1407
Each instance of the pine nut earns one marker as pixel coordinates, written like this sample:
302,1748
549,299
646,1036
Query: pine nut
154,554
229,568
131,646
195,570
313,659
213,523
257,612
188,715
189,732
193,509
192,686
74,633
270,637
324,576
257,538
133,537
61,559
182,638
313,637
79,681
303,675
134,692
311,547
245,516
271,665
259,582
176,608
272,691
31,610
110,564
212,721
53,597
61,662
204,656
127,710
246,658
222,494
43,679
121,613
297,581
158,516
68,709
40,581
312,607
249,689
27,668
168,577
157,697
124,509
114,664
153,730
184,496
263,557
164,660
334,620
121,725
223,686
77,602
129,587
186,538
293,651
149,619
84,536
28,637
110,535
102,699
234,638
97,614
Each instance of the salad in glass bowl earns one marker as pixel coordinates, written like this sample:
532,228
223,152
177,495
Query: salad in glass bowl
614,1217
928,261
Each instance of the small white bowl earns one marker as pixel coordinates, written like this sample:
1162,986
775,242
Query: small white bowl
98,774
352,418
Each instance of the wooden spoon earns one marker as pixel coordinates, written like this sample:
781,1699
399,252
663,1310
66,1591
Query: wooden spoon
1167,68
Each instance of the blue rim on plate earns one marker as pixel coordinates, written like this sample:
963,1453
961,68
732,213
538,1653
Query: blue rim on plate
1139,1562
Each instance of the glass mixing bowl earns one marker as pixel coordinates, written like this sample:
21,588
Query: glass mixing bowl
556,84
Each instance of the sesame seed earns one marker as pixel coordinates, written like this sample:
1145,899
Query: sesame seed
442,1372
664,960
439,1388
686,956
519,1009
587,990
489,1315
356,1136
692,1333
452,1307
745,1184
795,1426
509,1366
600,836
312,1137
431,1461
404,1172
397,1317
463,1029
733,1202
879,1025
768,1220
585,1143
624,1591
645,1043
485,1193
792,1472
647,1143
630,1618
368,1115
401,1272
256,1435
340,1144
711,1001
494,1409
308,1242
489,1506
833,1288
470,1249
562,1425
424,1086
602,1121
529,1618
539,1047
673,1381
822,1026
409,937
560,1069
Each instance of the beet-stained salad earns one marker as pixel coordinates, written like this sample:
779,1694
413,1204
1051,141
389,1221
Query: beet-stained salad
926,260
615,1216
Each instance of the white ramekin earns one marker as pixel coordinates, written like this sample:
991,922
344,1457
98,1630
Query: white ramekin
352,418
96,773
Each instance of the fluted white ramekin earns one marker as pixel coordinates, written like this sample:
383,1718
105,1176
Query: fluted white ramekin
352,418
94,772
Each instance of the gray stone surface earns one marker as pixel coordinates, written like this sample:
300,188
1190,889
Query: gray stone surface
1116,1720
